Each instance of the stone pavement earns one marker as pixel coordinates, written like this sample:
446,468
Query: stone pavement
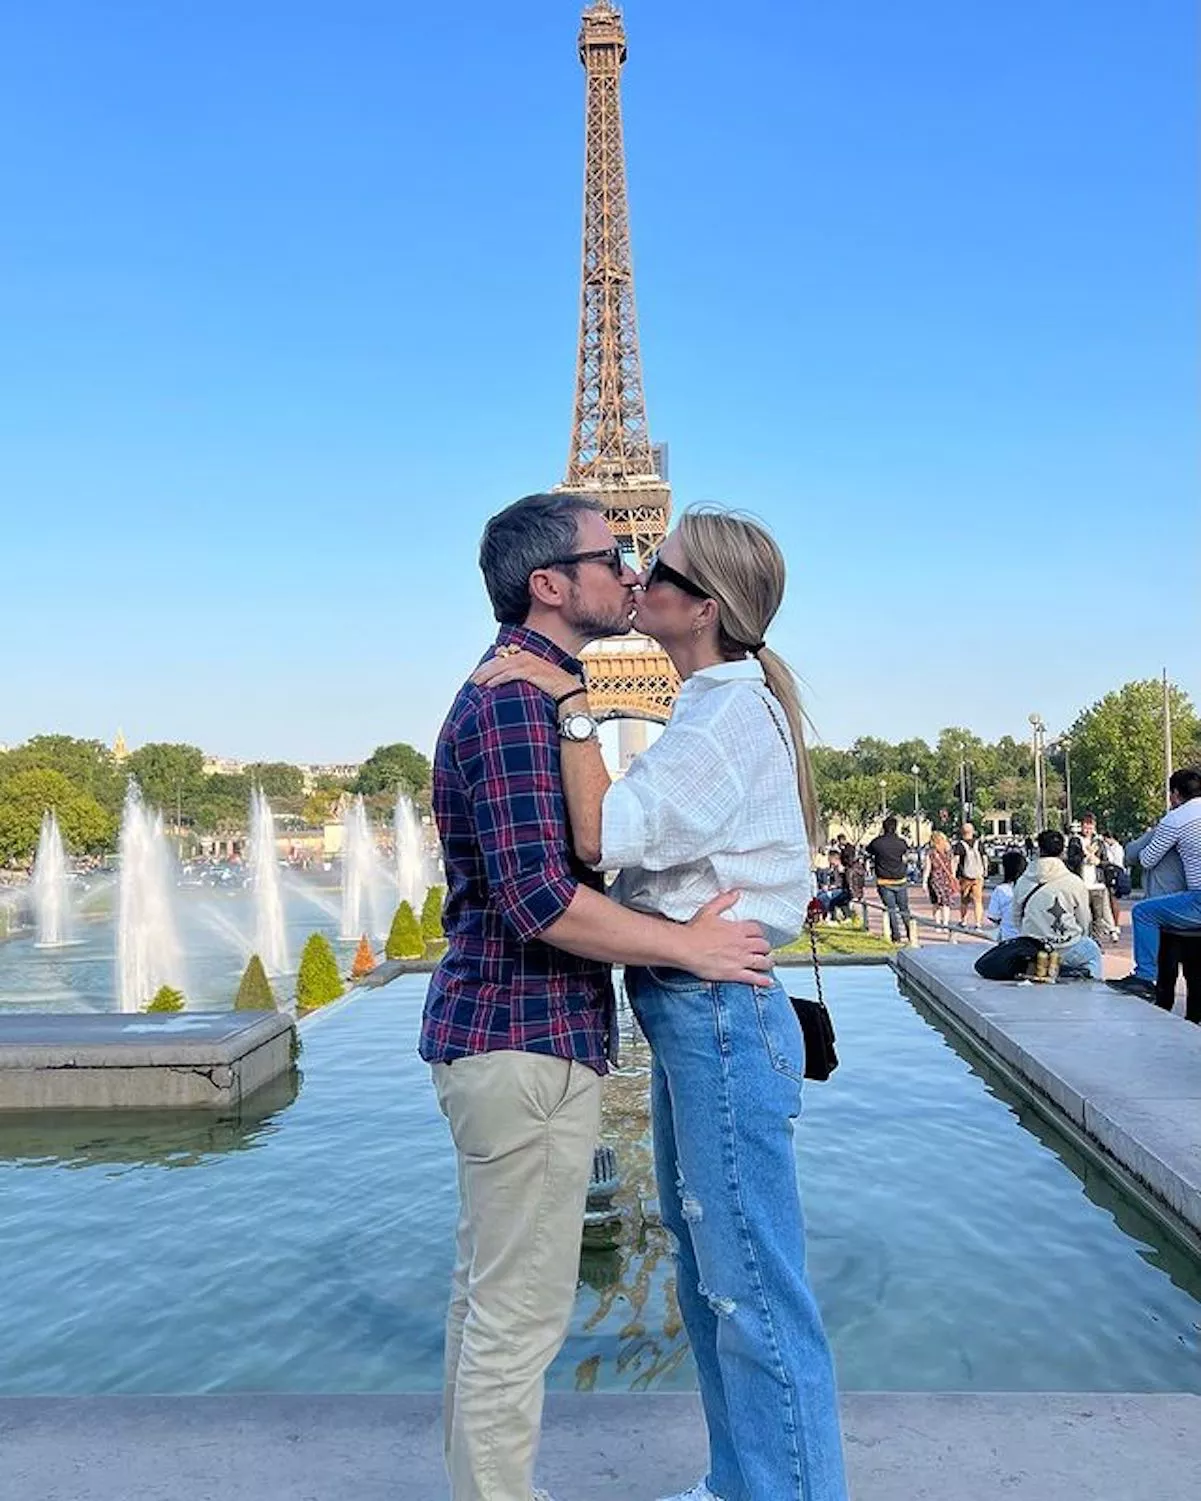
1028,1447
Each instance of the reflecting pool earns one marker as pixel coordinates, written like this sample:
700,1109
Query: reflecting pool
308,1246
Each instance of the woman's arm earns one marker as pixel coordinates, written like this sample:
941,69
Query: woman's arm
585,779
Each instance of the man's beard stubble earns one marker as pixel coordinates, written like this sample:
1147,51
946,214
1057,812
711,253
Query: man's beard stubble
597,627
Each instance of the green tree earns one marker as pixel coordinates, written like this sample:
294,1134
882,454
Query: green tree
24,796
221,805
318,982
1117,754
254,992
856,801
431,915
391,767
171,776
276,778
88,764
166,998
404,937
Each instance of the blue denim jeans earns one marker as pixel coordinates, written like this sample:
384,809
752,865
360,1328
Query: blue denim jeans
895,900
725,1090
1083,956
1180,910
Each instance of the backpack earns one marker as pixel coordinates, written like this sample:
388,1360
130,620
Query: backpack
1008,960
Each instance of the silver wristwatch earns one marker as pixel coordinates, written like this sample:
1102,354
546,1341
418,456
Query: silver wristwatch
577,727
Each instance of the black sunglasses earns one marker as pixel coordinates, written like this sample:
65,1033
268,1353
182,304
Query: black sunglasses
610,556
661,572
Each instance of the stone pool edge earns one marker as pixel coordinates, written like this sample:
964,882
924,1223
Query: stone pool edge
1121,1074
596,1447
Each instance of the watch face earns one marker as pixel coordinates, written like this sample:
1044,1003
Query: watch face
579,727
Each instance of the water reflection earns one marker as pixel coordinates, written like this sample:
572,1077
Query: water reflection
1156,1244
144,1138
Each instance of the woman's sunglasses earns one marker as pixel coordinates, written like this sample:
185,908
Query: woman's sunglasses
660,572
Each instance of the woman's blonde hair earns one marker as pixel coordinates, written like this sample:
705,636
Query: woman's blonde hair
739,565
939,841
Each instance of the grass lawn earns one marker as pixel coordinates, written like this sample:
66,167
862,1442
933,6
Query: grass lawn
842,938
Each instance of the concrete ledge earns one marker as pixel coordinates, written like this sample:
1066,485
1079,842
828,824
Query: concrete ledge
1125,1073
111,1061
1020,1447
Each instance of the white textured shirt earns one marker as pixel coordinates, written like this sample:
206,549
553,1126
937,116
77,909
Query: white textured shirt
713,806
1179,829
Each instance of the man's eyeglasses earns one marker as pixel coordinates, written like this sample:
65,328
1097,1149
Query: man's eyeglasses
610,556
660,572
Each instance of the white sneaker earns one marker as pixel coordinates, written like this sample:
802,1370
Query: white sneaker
699,1492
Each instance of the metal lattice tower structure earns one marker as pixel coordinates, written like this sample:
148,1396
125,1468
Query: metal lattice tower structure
611,453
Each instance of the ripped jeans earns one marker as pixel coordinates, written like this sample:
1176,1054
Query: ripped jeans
726,1087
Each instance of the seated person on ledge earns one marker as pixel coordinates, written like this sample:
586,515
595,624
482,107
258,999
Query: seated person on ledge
1180,830
1051,904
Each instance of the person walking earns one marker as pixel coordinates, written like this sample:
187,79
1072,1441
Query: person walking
723,799
518,1020
890,860
939,877
970,868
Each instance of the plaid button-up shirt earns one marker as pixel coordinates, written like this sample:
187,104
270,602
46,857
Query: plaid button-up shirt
510,873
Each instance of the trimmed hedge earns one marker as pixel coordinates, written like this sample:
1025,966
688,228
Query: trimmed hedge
431,915
166,998
404,937
364,959
254,992
318,982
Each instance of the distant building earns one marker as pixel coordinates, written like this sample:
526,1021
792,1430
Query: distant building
343,771
224,766
120,749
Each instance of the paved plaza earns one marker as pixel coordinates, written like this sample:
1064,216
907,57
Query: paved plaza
1027,1447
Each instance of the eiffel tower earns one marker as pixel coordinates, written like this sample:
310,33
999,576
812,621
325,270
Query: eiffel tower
612,458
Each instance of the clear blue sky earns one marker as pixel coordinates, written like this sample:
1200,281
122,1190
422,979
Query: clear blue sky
288,307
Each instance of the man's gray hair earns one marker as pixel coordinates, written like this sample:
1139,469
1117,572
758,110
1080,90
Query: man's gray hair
529,534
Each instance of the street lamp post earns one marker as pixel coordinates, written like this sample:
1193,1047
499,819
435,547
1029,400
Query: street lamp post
1038,730
883,790
1066,745
917,812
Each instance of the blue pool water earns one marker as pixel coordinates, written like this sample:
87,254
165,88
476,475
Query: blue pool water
310,1249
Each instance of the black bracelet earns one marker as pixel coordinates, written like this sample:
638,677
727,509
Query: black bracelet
563,697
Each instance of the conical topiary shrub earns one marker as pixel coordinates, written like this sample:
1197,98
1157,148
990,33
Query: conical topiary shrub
255,993
318,982
166,998
431,915
404,937
364,959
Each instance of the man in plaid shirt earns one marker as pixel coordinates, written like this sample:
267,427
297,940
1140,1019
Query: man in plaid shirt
518,1019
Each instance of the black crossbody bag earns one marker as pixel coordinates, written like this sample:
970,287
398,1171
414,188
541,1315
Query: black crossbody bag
817,1027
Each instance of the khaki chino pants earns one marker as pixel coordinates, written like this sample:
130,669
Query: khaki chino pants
524,1127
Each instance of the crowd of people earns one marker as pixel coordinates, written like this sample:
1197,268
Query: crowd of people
1064,889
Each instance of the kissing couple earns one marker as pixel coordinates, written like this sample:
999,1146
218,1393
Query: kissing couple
709,831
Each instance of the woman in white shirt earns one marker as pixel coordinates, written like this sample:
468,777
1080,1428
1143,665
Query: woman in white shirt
722,802
1000,904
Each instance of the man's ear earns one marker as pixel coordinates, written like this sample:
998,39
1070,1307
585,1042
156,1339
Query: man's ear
547,589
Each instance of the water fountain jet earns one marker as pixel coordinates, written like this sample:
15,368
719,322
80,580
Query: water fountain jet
364,878
51,904
412,879
270,940
148,951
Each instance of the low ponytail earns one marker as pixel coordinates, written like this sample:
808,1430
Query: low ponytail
782,686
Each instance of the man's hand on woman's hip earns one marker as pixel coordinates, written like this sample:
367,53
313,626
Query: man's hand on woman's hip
717,948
